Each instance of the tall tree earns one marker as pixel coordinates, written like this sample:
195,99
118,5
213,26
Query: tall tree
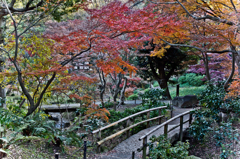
210,27
173,62
24,15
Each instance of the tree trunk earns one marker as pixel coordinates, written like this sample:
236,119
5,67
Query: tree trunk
122,95
205,60
164,85
116,81
102,90
232,71
237,61
2,90
102,86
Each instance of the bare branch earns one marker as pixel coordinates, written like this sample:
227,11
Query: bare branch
45,89
198,48
16,33
234,6
135,4
162,2
41,16
27,8
72,58
12,3
216,19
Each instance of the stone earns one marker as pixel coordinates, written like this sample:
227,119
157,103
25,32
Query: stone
193,157
187,101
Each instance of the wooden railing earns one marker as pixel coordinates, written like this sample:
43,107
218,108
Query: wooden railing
165,125
128,126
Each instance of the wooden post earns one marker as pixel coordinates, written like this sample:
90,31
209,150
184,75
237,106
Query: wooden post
181,128
85,150
160,119
99,146
166,130
148,116
190,119
177,91
133,154
144,154
99,135
127,125
56,155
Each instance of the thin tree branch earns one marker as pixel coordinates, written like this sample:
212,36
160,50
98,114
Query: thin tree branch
27,8
162,2
198,48
216,19
135,4
16,32
234,6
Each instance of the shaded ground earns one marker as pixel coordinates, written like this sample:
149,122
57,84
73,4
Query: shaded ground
209,150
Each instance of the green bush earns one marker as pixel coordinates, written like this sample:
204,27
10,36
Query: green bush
191,79
109,104
152,97
207,121
39,125
160,148
133,97
117,115
155,84
146,90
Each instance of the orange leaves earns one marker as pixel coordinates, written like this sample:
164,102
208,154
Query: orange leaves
234,88
95,112
115,65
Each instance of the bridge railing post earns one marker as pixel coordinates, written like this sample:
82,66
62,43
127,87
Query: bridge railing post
99,138
159,113
133,154
144,154
127,125
148,116
166,130
181,128
190,119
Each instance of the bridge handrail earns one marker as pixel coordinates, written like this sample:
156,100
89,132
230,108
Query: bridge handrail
128,117
165,124
127,128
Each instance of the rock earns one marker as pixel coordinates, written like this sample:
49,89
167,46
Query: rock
193,157
187,101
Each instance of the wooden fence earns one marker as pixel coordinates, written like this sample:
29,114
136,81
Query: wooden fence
165,125
100,141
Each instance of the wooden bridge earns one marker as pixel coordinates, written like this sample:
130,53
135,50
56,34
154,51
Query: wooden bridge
173,127
60,108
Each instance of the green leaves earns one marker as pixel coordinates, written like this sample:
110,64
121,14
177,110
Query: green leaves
161,148
152,97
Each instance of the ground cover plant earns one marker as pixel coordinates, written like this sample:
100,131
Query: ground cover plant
161,147
209,125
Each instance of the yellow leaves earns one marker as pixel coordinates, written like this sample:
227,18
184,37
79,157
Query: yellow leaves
160,52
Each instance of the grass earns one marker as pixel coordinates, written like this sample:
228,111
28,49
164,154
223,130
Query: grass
191,90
